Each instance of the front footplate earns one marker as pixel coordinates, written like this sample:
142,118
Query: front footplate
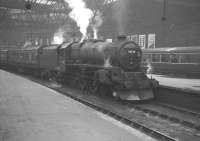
141,94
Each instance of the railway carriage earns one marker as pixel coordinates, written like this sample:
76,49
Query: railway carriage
24,58
175,60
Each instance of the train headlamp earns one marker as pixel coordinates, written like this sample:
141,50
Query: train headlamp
131,51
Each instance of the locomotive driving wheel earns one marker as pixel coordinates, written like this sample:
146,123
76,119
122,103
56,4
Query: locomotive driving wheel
103,90
74,81
82,84
93,85
79,83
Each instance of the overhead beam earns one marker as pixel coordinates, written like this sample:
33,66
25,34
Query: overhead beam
20,4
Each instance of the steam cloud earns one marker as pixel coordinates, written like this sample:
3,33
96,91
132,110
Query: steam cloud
109,1
80,14
27,43
83,16
107,62
58,37
149,70
96,23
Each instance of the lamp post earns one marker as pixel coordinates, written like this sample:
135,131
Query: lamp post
164,11
28,8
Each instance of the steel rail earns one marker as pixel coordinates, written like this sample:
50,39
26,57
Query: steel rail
150,132
165,116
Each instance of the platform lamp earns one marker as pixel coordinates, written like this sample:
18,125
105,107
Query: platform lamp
28,6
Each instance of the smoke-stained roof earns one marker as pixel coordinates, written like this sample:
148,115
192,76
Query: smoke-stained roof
20,12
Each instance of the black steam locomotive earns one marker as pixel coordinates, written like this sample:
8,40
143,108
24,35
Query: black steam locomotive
92,65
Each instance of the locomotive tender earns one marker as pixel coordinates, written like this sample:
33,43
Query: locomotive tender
92,65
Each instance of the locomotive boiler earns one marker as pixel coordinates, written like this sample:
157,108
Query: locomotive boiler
126,55
109,69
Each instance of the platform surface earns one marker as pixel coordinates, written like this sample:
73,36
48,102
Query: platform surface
31,112
175,82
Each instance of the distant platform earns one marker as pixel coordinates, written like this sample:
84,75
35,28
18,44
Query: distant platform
185,84
31,112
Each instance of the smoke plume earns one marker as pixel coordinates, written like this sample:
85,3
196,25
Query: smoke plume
27,43
58,37
80,14
109,1
149,68
119,12
107,62
96,23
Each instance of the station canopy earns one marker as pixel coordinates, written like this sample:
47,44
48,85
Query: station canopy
35,12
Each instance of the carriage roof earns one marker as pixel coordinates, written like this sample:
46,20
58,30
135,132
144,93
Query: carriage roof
189,49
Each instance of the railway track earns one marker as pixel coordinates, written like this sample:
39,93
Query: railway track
111,108
177,97
151,132
167,112
196,114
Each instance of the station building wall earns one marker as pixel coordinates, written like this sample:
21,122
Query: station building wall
181,26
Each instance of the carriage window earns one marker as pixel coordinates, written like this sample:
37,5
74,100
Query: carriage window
165,58
190,58
155,57
174,58
185,58
195,58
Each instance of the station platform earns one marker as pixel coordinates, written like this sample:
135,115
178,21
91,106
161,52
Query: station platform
185,84
31,112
